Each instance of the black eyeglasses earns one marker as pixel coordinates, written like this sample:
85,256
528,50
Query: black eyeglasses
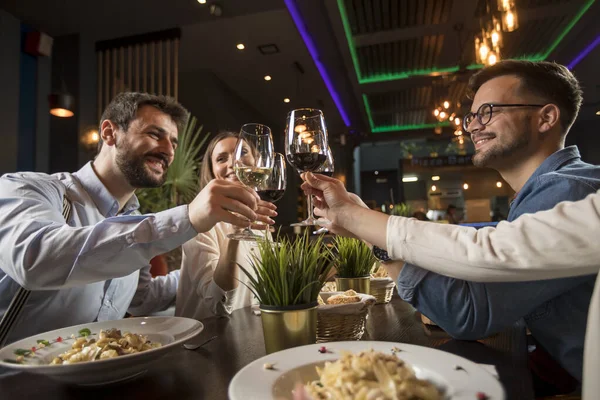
485,111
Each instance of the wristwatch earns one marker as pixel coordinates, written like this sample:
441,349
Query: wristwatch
381,254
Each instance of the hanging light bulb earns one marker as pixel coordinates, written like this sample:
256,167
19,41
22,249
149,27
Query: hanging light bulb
492,58
504,5
457,121
495,36
484,50
509,21
446,104
436,112
458,132
443,115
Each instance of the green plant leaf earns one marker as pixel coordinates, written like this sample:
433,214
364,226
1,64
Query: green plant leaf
353,258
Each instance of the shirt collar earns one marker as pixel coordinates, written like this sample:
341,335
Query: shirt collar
550,164
104,200
555,161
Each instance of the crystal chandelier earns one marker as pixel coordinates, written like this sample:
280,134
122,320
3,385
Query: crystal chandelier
494,22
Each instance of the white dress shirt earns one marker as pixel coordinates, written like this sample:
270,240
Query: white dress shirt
84,270
557,243
199,296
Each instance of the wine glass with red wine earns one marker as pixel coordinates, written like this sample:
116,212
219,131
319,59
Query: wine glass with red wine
328,167
306,146
273,188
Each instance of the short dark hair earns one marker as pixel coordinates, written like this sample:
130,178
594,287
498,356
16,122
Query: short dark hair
551,81
124,107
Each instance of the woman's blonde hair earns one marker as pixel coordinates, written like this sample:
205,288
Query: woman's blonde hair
206,170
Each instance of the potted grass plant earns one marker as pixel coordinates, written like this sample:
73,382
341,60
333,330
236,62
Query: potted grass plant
353,261
287,278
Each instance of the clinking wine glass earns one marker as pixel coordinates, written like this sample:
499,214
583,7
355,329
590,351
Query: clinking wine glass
306,146
252,162
273,188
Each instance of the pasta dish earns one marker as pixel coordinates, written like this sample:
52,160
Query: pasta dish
110,344
370,375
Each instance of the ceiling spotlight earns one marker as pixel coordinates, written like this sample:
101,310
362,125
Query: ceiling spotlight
435,178
466,186
202,1
433,188
286,100
598,112
268,77
376,172
240,46
499,184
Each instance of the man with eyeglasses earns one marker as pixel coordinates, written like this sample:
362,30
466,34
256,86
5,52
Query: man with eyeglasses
521,114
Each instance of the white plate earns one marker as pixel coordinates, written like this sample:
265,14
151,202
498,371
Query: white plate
168,331
298,365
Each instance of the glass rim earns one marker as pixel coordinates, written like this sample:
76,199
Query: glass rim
255,134
320,112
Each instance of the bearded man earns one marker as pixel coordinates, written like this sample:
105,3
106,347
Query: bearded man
84,265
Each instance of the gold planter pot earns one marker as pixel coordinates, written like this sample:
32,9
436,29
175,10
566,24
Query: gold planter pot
360,285
286,327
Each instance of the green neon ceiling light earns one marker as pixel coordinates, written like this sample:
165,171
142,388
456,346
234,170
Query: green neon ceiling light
395,128
433,71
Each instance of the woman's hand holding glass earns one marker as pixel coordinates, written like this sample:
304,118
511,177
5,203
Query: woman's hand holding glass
253,162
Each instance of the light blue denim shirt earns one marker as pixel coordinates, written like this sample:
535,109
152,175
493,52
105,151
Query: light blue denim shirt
555,310
85,270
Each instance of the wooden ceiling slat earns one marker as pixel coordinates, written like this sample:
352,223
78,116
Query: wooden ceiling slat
429,5
423,49
368,6
378,16
386,14
420,13
360,16
394,14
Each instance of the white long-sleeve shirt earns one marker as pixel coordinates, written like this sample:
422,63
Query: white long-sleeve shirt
198,295
557,243
84,269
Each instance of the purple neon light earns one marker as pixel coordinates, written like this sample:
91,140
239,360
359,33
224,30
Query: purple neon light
291,6
584,53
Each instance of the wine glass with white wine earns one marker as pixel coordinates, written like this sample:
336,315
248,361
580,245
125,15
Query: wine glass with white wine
253,160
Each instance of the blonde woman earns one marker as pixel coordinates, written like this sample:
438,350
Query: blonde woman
210,276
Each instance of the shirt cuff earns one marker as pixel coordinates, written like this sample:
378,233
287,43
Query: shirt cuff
166,229
409,279
396,237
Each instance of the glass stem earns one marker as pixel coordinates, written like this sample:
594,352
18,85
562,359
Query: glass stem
309,204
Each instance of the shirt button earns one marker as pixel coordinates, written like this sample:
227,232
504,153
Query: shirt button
174,228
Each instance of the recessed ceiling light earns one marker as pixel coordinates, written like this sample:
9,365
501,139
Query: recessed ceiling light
240,46
267,77
286,100
202,1
435,178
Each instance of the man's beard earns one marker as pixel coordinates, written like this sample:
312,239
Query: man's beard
135,171
498,152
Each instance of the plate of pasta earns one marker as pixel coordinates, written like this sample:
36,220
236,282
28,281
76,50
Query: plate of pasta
364,370
99,353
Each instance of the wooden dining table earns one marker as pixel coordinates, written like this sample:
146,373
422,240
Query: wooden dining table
205,373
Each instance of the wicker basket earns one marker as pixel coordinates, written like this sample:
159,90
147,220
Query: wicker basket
335,326
382,289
